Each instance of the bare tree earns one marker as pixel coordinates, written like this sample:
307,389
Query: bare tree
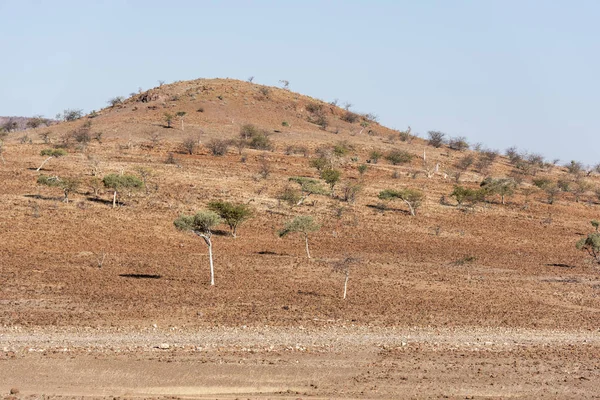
201,225
304,225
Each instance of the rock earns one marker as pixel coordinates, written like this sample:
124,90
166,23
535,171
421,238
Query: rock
164,346
14,391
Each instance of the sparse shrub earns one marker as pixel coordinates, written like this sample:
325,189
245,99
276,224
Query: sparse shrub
260,142
264,168
581,187
412,197
542,183
342,148
591,244
465,162
396,157
314,108
459,143
320,163
362,169
218,147
265,91
189,145
290,195
350,191
304,225
115,101
200,110
232,214
308,187
485,160
350,117
513,155
171,159
248,131
574,167
201,225
375,155
436,138
285,123
503,187
70,115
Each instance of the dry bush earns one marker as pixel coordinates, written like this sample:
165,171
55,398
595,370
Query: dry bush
218,147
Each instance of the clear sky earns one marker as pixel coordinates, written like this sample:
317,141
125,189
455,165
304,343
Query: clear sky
501,72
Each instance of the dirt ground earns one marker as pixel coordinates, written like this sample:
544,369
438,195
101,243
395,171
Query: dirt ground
491,301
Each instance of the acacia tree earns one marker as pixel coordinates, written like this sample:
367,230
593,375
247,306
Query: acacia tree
232,214
117,183
344,267
168,119
412,197
591,243
331,177
503,187
201,224
303,224
51,153
68,185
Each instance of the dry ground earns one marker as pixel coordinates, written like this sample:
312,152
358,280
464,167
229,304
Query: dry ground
443,282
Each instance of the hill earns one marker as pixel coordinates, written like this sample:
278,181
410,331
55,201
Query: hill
481,292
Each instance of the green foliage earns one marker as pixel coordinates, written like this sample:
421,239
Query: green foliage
301,224
375,156
331,177
248,131
232,214
54,152
503,187
412,197
320,163
596,224
285,123
290,195
68,185
168,119
591,244
119,182
459,143
399,157
260,142
340,149
201,223
463,194
308,185
542,183
362,168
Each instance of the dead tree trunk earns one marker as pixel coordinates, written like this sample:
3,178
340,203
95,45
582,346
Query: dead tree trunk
45,161
306,242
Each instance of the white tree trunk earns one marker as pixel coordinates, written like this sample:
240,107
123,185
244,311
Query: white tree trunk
212,267
115,199
410,207
306,241
45,161
346,283
182,124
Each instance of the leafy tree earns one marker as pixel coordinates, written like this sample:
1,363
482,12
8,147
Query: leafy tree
412,197
308,187
591,243
202,225
232,214
118,183
503,187
304,225
321,163
68,185
115,101
51,153
331,177
463,194
70,114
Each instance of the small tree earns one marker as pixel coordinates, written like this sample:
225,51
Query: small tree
304,225
412,197
436,138
591,243
68,185
396,157
51,153
344,267
458,143
331,177
463,194
115,101
168,119
232,214
117,183
503,187
218,147
201,224
180,115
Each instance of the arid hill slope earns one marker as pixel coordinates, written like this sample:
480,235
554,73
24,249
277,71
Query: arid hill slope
488,264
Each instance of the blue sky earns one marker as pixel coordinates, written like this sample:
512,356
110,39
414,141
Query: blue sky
499,72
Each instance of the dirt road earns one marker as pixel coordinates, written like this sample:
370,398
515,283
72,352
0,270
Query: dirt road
266,362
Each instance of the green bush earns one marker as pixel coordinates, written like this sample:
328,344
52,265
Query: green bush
396,157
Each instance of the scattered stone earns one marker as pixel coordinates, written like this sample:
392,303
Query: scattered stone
164,346
14,391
